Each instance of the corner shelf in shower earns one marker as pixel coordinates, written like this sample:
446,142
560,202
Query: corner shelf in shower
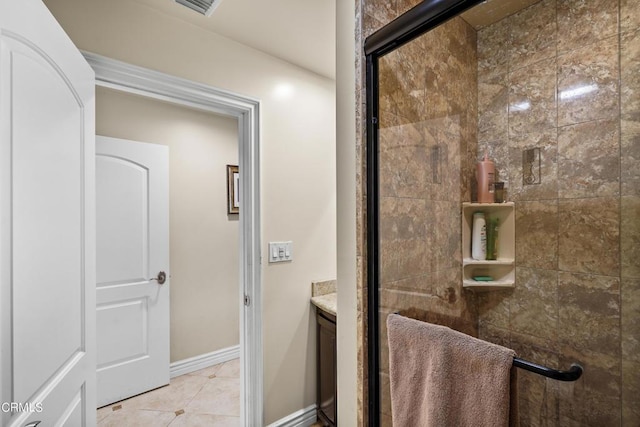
502,269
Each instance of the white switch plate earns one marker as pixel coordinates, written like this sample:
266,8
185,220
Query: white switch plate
280,251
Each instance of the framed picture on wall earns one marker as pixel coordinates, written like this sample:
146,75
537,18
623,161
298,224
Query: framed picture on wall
233,189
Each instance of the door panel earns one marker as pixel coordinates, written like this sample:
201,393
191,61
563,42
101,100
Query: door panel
132,247
46,221
46,175
122,245
123,330
72,415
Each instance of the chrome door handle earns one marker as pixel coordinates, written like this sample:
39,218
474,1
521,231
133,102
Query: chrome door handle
162,277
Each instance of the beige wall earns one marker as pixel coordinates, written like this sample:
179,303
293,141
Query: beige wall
204,239
298,186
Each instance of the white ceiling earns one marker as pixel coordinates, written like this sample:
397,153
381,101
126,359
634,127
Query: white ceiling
301,32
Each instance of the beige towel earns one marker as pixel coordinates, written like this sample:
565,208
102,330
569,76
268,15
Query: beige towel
441,377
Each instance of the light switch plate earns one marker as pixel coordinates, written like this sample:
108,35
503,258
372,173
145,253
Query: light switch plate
280,251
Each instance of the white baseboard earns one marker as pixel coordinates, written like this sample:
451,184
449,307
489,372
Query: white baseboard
192,364
302,418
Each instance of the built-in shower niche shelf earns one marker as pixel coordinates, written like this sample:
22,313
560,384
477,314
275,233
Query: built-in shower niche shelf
499,261
502,270
495,285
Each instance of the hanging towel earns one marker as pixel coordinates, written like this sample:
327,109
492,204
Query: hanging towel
443,378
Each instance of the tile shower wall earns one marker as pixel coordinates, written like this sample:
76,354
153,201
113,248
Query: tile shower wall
563,76
427,147
577,296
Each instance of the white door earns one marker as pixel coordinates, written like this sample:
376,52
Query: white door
47,237
132,237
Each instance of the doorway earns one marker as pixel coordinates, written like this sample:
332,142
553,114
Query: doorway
241,114
202,328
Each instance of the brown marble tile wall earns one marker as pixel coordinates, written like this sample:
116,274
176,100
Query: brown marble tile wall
562,76
360,142
361,219
630,208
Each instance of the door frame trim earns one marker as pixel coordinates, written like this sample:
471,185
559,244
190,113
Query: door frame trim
125,77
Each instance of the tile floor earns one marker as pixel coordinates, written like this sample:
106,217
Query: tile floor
209,397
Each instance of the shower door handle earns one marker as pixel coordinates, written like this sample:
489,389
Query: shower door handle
162,277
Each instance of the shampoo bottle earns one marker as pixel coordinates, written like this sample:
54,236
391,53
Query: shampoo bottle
479,237
492,237
486,175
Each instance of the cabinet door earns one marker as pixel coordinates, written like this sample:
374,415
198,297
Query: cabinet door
327,369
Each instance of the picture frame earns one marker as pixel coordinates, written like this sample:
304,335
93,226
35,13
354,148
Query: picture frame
233,189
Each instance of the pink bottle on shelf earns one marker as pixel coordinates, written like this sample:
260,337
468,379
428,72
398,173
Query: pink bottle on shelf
486,176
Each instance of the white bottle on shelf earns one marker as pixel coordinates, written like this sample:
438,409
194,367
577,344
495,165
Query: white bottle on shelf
479,237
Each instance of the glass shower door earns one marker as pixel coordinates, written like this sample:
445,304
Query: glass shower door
558,79
426,148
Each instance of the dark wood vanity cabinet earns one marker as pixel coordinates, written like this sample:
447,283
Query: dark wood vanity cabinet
327,369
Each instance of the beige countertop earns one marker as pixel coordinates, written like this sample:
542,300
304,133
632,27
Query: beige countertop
327,302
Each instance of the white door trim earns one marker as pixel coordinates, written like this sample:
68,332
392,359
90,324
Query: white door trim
153,84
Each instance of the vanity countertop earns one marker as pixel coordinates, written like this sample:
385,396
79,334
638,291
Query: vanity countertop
323,296
327,302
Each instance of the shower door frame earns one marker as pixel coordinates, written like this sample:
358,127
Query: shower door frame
408,26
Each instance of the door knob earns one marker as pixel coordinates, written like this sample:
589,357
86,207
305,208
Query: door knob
162,277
